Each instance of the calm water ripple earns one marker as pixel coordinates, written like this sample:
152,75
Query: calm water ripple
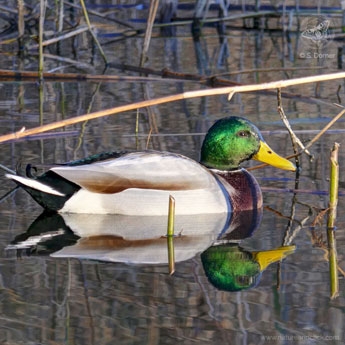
61,286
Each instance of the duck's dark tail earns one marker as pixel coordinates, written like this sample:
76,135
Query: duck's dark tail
50,190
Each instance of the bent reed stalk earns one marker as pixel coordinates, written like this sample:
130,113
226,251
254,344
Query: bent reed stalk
182,96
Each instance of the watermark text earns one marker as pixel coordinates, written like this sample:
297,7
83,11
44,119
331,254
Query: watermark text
301,338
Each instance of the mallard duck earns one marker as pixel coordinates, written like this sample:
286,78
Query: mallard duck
139,183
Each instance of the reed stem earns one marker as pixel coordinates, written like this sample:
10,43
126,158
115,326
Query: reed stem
171,216
43,5
333,265
332,214
21,25
334,185
170,235
148,33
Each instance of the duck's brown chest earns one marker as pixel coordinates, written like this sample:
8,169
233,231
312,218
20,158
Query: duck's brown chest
246,193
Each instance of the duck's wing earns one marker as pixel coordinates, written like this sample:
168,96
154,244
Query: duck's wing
144,170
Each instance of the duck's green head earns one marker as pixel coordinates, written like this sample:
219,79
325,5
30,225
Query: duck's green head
233,140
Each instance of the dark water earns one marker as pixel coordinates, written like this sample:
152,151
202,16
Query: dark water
54,300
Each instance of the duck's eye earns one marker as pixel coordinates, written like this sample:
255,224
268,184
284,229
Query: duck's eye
244,280
243,134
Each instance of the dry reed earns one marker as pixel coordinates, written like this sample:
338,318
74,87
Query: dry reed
182,96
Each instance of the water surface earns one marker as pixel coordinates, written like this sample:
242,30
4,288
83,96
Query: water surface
49,300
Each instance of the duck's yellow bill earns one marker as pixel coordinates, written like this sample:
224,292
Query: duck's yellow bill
267,155
267,257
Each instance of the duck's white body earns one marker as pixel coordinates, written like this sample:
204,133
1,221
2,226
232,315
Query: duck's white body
140,183
143,202
147,186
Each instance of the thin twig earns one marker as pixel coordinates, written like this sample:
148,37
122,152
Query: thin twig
264,70
7,169
330,123
69,34
10,75
291,235
8,194
323,131
101,15
82,132
294,139
67,61
91,31
150,21
148,139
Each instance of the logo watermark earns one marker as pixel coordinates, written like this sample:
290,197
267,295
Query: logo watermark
316,38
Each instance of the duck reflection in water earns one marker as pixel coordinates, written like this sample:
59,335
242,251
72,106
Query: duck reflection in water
229,267
141,240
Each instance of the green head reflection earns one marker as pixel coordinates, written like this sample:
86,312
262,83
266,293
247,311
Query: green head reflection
228,267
